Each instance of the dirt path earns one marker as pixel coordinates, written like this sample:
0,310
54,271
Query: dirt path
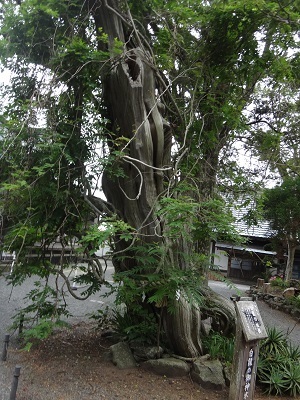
75,365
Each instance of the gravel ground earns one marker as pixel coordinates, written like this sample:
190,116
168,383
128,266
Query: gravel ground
11,299
270,317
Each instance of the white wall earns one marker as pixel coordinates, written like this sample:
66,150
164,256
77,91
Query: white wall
221,259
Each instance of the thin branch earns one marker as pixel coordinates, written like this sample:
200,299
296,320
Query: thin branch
146,165
141,183
90,200
71,291
134,28
263,121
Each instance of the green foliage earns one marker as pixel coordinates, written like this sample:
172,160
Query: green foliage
133,323
281,379
274,381
278,369
294,301
275,344
197,221
278,282
179,213
278,366
138,324
42,315
45,303
159,284
219,346
43,329
150,288
292,378
104,234
89,278
281,206
103,318
61,131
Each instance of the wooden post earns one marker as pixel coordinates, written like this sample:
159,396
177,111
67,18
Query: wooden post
249,330
266,288
260,283
5,347
14,385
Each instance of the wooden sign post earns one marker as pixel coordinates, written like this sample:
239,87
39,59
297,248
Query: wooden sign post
249,331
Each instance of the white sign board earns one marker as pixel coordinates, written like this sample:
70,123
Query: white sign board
252,324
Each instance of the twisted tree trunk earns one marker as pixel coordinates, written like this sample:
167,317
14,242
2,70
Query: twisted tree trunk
141,144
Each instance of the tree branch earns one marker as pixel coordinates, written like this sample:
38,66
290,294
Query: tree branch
263,121
114,11
99,206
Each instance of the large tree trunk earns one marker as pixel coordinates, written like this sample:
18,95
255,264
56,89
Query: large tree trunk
144,147
144,153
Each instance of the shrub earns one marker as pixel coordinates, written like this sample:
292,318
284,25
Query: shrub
278,282
43,314
219,346
278,367
294,301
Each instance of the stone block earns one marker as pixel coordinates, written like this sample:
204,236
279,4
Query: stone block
209,374
122,356
170,367
142,352
289,292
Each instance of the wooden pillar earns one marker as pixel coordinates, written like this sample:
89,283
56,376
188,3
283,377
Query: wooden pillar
260,283
249,331
266,287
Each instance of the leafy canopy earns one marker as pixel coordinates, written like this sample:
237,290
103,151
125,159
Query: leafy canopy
62,135
281,206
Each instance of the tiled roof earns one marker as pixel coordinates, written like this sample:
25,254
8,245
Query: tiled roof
261,229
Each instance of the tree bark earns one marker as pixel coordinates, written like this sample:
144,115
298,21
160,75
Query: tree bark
183,328
144,148
290,260
142,154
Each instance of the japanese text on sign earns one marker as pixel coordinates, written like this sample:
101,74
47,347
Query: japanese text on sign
252,320
252,325
248,374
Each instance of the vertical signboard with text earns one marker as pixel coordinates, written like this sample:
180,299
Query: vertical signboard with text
250,330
